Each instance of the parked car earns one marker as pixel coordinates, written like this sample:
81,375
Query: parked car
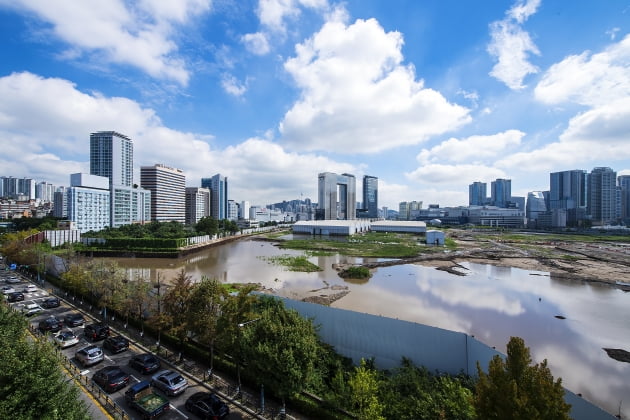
50,324
13,279
31,309
8,289
31,288
66,338
89,355
111,378
74,319
51,302
145,363
15,297
116,344
170,382
207,405
96,331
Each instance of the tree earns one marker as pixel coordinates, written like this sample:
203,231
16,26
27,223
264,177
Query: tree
176,305
364,393
207,226
31,381
515,389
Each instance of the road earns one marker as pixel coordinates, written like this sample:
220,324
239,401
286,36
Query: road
102,405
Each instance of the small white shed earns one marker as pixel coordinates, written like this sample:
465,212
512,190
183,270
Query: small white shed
435,237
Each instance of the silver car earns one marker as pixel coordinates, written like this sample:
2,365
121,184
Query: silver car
89,355
170,382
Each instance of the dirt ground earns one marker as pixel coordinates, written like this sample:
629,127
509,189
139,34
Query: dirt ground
574,261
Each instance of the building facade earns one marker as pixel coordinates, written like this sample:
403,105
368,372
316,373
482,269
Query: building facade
168,192
197,204
218,186
568,192
370,197
477,194
602,196
337,197
111,156
535,206
501,192
88,202
624,186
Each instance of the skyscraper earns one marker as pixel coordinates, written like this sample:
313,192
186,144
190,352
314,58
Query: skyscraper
218,186
477,194
111,156
568,191
370,196
602,195
536,204
501,190
197,204
624,184
337,197
168,192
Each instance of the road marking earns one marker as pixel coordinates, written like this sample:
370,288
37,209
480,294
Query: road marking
182,414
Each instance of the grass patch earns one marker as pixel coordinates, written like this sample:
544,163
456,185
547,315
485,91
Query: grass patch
355,273
293,263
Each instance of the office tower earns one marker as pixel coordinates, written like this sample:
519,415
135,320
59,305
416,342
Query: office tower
602,196
244,210
370,196
568,192
337,196
218,186
88,202
624,184
536,204
60,203
501,192
232,213
168,192
197,204
477,194
111,156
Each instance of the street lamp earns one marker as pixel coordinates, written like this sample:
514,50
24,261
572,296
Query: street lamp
238,365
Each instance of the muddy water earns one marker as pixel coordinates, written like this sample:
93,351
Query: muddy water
491,303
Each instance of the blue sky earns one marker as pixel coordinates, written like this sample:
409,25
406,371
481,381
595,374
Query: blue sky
429,96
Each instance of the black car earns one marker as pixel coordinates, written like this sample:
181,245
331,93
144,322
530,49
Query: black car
74,320
207,406
111,378
51,302
51,324
116,344
145,363
97,331
15,297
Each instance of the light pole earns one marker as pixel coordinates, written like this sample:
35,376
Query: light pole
238,365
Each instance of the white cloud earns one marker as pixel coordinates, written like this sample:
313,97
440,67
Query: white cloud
473,148
511,45
273,13
589,79
613,33
233,86
54,118
116,32
256,43
357,96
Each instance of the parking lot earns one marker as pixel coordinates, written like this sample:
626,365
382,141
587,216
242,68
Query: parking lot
34,297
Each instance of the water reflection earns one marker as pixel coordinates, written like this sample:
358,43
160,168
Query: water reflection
492,303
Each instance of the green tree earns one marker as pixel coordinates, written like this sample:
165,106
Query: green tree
364,387
207,226
518,390
32,383
176,306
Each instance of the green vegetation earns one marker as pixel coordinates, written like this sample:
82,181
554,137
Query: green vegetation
514,389
355,272
31,380
371,244
293,263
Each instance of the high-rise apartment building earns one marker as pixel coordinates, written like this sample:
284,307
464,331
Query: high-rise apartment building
568,192
60,203
624,185
409,210
602,196
168,192
337,197
111,156
45,191
244,210
197,204
370,196
501,192
218,186
88,202
477,194
232,213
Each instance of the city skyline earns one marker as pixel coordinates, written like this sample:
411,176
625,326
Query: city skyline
426,96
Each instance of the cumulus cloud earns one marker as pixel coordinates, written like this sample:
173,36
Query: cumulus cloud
588,79
474,148
233,86
511,45
273,13
256,43
140,35
357,96
54,118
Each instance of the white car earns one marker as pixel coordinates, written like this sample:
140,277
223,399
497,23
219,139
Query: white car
7,289
30,289
66,338
13,279
31,309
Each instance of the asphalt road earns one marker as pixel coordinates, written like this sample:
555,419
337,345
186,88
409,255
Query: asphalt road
177,409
